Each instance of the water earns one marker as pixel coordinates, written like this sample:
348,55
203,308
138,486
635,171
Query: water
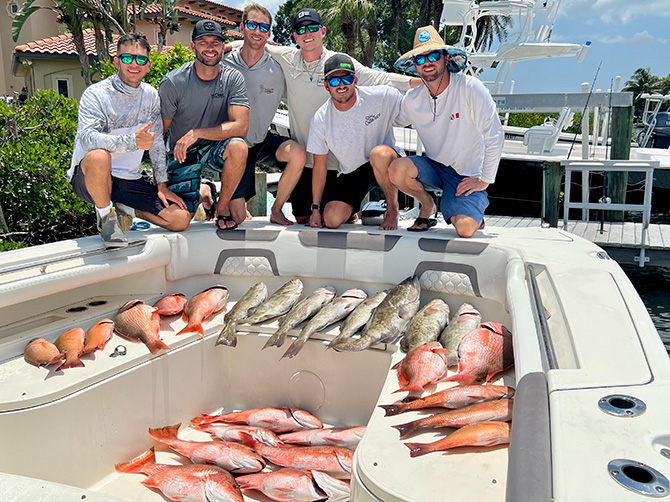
653,285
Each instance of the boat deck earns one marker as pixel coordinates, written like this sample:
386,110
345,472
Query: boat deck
620,239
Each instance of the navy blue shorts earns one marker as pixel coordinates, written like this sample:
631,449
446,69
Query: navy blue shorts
436,176
138,194
184,177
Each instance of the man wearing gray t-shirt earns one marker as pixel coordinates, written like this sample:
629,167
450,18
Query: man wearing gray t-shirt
205,108
356,126
265,87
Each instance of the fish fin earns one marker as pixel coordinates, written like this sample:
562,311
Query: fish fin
126,337
228,335
463,378
409,388
164,434
77,363
156,345
203,419
402,381
192,328
295,347
60,357
417,449
405,429
138,463
249,440
390,409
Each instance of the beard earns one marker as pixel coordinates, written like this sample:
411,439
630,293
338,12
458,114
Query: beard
343,99
432,77
208,60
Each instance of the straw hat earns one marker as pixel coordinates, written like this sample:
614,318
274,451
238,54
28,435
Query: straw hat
427,39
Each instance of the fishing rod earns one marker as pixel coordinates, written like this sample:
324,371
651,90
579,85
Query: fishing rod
605,198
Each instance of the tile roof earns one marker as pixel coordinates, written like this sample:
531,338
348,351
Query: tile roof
183,11
63,44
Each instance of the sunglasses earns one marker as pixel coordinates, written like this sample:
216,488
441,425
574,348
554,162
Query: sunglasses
346,80
300,30
139,59
252,25
432,57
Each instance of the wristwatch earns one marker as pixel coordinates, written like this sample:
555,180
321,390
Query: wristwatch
316,207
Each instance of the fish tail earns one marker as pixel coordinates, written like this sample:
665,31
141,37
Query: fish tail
139,463
60,357
277,339
295,347
75,363
192,327
228,335
156,345
391,409
418,449
409,388
165,434
203,419
406,429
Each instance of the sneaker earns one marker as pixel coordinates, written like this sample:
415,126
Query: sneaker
482,225
110,231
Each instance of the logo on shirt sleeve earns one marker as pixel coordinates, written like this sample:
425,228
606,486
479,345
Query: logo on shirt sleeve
454,116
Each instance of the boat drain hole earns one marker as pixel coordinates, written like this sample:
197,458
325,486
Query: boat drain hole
76,309
97,303
639,474
622,403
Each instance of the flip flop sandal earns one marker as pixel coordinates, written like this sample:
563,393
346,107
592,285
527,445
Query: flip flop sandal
429,222
212,210
225,219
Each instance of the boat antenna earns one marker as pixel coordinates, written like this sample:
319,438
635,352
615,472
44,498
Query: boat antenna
586,105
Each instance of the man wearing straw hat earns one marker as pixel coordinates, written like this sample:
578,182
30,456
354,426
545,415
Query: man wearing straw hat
457,122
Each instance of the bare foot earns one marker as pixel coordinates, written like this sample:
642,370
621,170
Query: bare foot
225,222
353,218
390,221
279,219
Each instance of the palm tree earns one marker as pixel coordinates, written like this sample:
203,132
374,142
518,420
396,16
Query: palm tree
642,81
357,20
166,21
67,13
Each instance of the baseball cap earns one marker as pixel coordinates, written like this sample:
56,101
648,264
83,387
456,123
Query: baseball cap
306,15
339,62
207,27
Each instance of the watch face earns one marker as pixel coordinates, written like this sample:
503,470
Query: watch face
315,207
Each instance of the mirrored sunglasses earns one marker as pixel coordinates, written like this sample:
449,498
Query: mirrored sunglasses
139,59
252,25
432,57
311,27
346,80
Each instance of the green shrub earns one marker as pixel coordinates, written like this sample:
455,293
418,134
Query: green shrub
37,202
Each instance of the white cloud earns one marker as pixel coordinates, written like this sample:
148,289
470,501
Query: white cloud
643,38
614,11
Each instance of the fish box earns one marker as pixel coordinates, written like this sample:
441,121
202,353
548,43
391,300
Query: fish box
63,431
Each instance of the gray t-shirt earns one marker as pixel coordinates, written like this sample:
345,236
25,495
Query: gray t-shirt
193,103
351,135
266,87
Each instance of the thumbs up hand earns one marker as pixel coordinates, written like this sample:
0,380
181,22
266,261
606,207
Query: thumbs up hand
144,138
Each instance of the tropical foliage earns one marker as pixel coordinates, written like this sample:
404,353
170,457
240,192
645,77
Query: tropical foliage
37,204
167,20
644,82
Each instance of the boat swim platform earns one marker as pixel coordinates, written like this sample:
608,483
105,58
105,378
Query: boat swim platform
621,240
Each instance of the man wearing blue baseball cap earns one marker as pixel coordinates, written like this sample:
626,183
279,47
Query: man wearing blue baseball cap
457,122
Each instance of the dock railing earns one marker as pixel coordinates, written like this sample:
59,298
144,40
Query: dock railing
609,166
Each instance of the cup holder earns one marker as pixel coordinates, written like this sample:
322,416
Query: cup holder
74,310
639,477
621,405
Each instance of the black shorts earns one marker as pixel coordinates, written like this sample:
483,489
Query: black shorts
264,152
138,194
301,197
352,187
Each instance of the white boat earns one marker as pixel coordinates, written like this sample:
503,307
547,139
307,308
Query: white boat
591,374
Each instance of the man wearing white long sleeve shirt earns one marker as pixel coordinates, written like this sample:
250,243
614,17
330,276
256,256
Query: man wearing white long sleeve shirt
458,124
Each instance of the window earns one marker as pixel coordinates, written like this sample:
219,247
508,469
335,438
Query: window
13,8
62,84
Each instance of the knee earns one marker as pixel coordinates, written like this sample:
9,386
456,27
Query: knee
395,172
382,156
97,160
236,151
297,154
331,220
179,221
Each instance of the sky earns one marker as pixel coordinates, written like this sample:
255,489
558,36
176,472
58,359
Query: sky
625,35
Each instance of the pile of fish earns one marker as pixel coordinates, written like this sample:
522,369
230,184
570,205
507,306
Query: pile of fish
135,321
285,453
480,413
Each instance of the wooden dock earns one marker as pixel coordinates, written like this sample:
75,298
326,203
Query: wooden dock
621,240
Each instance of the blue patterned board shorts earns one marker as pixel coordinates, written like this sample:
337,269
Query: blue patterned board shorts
184,178
436,176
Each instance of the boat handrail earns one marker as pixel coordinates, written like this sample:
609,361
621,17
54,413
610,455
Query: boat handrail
43,264
541,318
585,167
